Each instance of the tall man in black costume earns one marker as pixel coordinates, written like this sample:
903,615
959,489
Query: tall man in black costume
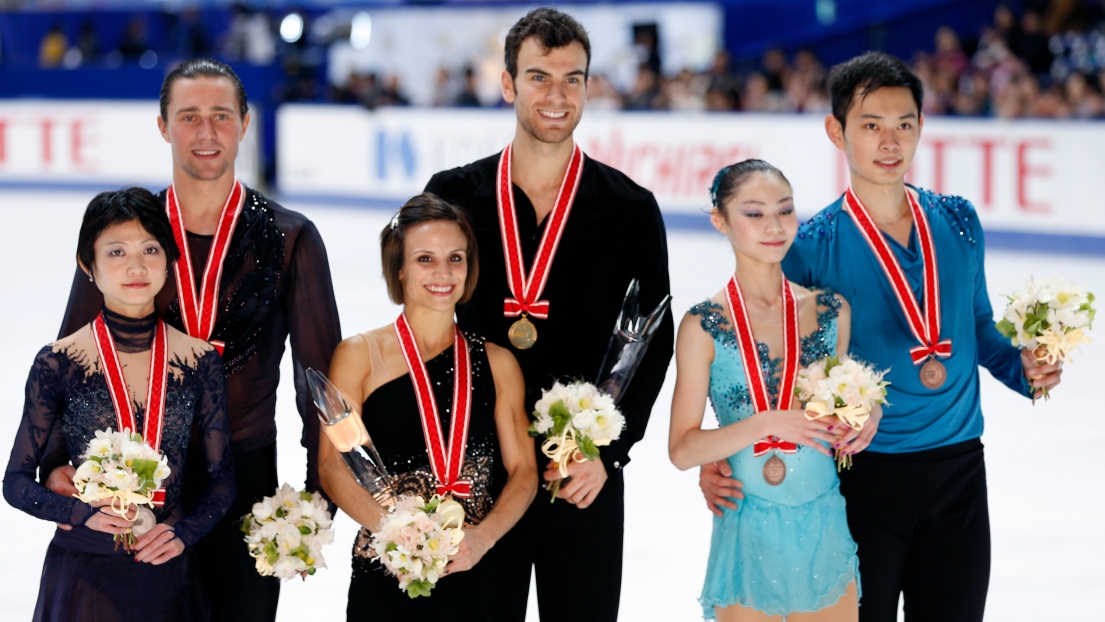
582,231
252,273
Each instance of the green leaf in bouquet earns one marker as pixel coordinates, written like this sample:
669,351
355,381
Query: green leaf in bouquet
391,547
280,512
305,530
136,437
533,431
830,363
560,416
270,552
587,447
144,469
1006,328
247,523
419,587
305,496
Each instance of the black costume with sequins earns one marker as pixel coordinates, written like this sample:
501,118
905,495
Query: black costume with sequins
392,419
84,577
275,286
614,234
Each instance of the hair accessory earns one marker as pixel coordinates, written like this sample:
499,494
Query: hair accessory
716,185
394,221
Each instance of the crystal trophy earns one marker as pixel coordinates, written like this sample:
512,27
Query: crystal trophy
346,431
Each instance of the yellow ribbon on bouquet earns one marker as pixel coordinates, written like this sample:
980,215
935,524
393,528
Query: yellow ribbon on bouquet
852,416
562,450
1060,346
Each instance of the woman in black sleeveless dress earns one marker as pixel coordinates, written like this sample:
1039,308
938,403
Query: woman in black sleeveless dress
429,260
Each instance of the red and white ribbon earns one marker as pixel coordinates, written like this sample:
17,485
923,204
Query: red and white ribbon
526,290
445,462
120,396
200,306
924,324
753,371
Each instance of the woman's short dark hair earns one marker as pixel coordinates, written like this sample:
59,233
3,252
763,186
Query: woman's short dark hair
425,207
121,206
553,30
864,74
728,180
207,68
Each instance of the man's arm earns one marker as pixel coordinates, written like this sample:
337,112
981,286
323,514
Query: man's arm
652,272
315,332
995,352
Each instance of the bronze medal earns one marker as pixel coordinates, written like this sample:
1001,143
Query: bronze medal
522,334
933,374
775,470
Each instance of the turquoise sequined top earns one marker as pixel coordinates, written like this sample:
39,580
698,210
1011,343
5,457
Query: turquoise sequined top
809,473
829,252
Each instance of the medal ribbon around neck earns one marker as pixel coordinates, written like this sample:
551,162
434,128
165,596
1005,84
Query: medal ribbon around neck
527,290
925,325
445,462
199,311
120,397
753,371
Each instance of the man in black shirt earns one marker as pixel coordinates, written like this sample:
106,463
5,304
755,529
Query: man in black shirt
252,273
577,231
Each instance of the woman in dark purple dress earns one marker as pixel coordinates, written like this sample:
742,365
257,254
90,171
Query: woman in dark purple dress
126,247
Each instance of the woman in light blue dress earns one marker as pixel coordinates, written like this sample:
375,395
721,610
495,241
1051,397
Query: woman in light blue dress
786,552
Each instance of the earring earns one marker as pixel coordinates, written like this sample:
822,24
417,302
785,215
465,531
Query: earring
90,278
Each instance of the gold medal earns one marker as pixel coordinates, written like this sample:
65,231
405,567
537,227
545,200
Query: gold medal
775,470
933,374
522,334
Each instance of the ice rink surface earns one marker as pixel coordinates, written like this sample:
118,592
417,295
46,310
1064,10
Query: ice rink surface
1045,463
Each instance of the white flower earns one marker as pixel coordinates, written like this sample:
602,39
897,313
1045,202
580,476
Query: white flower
543,424
88,470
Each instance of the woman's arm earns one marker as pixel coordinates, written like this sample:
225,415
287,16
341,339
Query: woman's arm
516,448
854,441
348,370
688,444
164,541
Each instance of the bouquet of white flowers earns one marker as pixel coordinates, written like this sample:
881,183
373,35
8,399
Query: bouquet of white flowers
575,419
1049,318
415,539
286,532
121,467
845,389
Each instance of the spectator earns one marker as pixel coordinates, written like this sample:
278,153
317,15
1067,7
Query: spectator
187,37
469,94
51,50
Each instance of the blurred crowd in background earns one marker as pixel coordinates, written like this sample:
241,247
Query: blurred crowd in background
1046,60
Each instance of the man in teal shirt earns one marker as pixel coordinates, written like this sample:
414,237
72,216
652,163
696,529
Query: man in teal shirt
910,262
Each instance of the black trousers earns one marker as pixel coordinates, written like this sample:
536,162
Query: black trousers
922,524
577,555
236,591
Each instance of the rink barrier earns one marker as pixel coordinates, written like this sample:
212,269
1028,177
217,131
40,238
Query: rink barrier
1029,177
996,239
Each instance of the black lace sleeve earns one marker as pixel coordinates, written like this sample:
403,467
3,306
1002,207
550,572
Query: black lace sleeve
85,302
315,332
44,403
214,428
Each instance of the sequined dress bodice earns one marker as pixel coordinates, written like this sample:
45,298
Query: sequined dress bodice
809,473
392,419
67,393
